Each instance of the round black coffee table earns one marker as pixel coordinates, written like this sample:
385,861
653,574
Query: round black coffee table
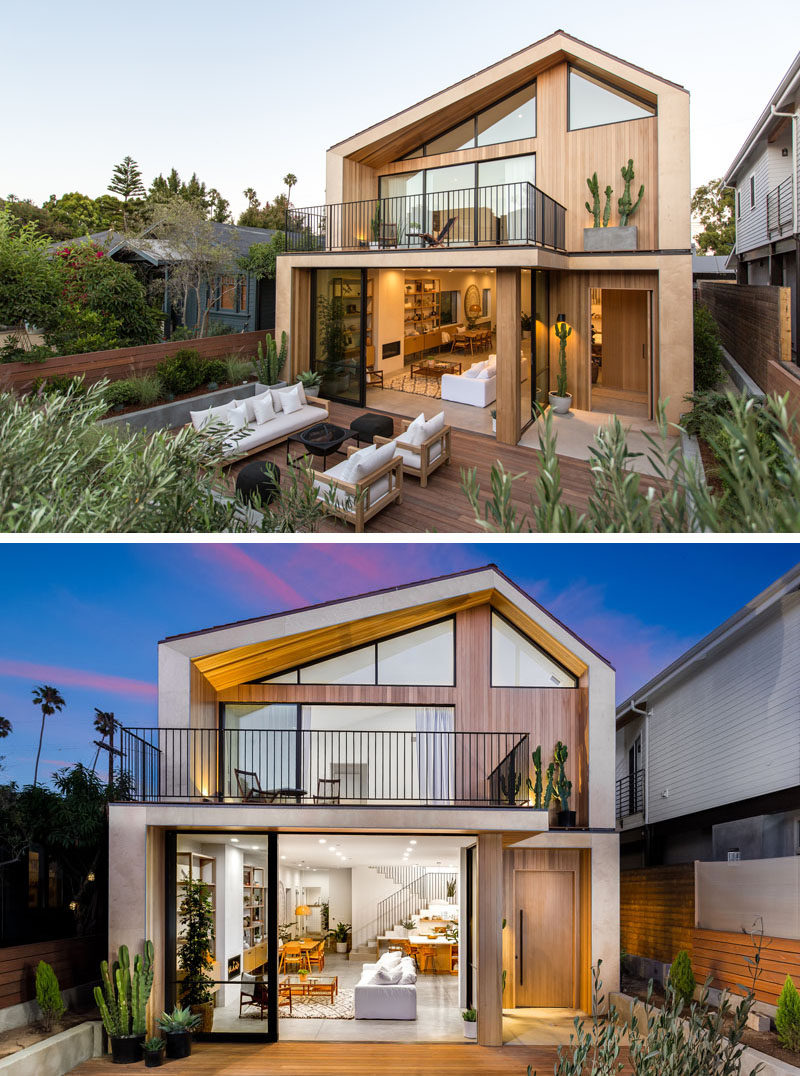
258,480
321,440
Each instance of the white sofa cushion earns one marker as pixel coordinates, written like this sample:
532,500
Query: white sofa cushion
249,402
263,409
218,414
415,433
376,1002
472,372
388,960
290,399
342,498
484,375
472,391
387,975
434,425
279,427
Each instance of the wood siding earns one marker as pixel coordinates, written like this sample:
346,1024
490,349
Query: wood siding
657,911
74,960
712,713
126,361
754,322
751,223
723,956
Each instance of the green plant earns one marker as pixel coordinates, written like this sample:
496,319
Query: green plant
408,924
469,1016
179,1020
147,389
121,393
627,207
707,350
341,932
270,360
122,1001
237,370
451,889
525,322
216,370
787,1018
219,328
681,977
48,996
285,931
375,223
330,320
59,383
563,787
181,372
493,413
194,947
594,189
535,786
325,916
153,1045
309,379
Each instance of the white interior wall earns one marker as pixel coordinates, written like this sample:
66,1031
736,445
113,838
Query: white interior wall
230,910
369,887
340,896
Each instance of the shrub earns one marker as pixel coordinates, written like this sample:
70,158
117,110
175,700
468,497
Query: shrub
216,327
787,1018
707,350
216,370
121,393
12,351
59,383
238,369
148,389
681,977
48,996
181,372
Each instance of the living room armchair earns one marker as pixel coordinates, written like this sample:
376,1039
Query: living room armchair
424,446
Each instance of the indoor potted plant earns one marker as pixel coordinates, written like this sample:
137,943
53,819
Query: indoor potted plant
525,326
407,925
196,915
561,400
153,1052
177,1027
122,1002
451,891
470,1018
493,413
311,381
341,933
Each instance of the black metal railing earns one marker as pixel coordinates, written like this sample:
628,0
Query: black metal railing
780,209
505,214
630,794
420,892
320,766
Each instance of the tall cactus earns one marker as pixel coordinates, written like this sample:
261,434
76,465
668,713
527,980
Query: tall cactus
627,207
122,1001
607,211
270,360
594,189
563,788
535,786
141,986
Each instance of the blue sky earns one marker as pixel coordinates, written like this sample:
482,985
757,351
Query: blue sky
244,95
87,617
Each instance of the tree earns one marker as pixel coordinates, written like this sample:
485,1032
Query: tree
49,700
81,215
713,205
45,224
219,207
126,181
271,215
262,258
31,281
6,728
290,179
105,724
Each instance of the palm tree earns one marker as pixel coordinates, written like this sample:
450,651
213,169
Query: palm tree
5,727
290,180
49,699
105,723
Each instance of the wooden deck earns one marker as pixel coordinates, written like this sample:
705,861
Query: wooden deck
347,1059
442,506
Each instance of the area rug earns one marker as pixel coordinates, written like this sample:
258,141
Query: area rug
320,1008
419,386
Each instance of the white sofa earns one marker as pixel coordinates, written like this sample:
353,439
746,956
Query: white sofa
376,1000
256,435
469,387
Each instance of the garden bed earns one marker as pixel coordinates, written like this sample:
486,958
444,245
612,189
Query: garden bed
19,1038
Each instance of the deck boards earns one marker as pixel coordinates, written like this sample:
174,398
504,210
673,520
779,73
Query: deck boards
348,1059
442,506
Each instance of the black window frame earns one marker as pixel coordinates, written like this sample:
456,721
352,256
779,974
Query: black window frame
753,191
616,89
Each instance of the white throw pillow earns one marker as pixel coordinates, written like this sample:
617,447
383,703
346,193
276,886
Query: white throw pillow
478,366
290,399
415,434
249,403
484,375
200,418
301,392
234,418
387,976
472,372
407,977
263,410
383,455
388,960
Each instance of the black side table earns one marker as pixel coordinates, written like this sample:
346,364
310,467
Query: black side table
261,479
365,427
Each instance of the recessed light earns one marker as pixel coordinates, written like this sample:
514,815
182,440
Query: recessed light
323,840
234,840
283,857
412,842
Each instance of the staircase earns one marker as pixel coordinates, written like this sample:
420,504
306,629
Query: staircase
418,889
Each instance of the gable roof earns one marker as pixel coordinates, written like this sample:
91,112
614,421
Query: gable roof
537,54
766,121
236,238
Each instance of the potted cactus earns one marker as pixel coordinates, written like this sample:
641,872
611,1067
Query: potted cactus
153,1052
122,1002
624,236
270,360
562,787
560,400
178,1027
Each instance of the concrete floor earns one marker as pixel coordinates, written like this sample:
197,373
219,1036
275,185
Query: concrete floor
539,1027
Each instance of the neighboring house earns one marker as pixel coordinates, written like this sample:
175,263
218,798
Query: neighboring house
766,177
379,728
243,303
708,752
469,208
711,267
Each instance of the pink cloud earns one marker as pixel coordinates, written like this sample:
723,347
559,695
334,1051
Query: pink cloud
236,560
58,674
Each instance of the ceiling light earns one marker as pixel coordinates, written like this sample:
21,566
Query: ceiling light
234,840
323,840
283,857
412,842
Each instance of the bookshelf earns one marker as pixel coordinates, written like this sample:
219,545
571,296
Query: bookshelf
422,306
254,910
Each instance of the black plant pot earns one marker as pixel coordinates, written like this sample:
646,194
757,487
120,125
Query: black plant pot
179,1043
153,1059
565,819
126,1049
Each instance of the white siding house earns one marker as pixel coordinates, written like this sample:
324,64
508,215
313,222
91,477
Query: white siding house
720,739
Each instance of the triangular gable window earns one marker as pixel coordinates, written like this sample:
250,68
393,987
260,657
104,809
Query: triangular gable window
593,103
517,662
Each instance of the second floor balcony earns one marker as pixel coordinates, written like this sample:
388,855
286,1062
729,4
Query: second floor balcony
508,214
630,795
319,767
780,209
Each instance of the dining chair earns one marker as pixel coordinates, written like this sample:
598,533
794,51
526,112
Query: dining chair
427,958
454,959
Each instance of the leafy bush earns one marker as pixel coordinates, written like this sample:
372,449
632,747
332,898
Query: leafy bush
62,472
707,350
59,383
48,996
216,370
761,494
183,332
12,351
238,369
181,372
787,1018
681,977
121,393
148,389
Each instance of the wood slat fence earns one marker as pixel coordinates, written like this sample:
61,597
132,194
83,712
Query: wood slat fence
126,361
754,322
657,911
722,954
74,960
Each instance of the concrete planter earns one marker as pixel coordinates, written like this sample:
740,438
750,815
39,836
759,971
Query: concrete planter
57,1055
470,1029
169,415
560,405
603,240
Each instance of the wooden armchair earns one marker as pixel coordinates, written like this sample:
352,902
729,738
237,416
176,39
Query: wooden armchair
358,500
430,240
422,460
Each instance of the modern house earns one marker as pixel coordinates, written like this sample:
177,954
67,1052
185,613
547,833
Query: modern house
458,227
366,761
240,302
765,174
708,752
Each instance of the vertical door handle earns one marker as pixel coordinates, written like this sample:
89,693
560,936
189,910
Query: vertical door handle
521,948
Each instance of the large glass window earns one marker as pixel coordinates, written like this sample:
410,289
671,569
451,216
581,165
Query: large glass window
259,748
517,662
509,120
336,327
505,203
594,103
355,667
461,137
418,657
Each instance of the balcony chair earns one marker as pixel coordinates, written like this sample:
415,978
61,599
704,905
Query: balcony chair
429,240
328,790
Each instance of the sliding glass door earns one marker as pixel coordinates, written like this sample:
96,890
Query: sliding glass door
338,322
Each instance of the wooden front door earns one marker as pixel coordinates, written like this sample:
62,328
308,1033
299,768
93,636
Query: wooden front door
544,923
626,340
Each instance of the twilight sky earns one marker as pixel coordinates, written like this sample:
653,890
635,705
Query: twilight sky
87,617
244,95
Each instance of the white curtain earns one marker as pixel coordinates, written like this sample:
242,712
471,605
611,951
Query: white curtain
435,753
